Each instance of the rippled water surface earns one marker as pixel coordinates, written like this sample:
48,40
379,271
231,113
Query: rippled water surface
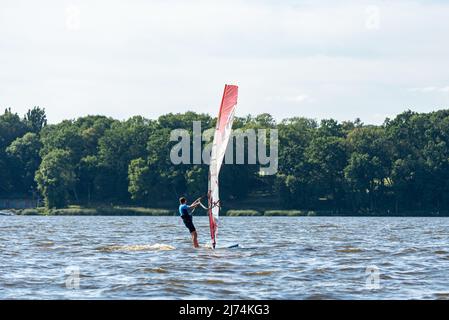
279,258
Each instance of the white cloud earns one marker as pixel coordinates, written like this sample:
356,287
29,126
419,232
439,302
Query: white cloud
430,89
298,98
153,57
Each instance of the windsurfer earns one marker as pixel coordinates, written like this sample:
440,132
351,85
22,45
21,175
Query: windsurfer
185,212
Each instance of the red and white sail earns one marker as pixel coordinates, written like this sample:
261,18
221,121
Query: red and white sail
221,138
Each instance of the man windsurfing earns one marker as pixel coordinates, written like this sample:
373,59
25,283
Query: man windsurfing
185,211
221,139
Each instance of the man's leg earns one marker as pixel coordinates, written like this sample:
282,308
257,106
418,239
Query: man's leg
195,239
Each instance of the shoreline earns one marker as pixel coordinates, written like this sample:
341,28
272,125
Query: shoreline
143,211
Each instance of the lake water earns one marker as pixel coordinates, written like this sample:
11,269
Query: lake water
279,258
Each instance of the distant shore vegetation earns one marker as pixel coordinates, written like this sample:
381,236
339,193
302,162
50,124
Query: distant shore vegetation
98,165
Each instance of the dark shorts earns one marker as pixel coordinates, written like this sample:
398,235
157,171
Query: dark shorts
188,223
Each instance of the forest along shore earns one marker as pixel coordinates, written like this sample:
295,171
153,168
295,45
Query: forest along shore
400,167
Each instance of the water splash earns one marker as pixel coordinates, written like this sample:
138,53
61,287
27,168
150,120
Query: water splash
137,247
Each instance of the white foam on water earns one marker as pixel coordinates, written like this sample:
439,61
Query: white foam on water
139,247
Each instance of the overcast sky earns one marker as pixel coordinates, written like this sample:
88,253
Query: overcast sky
319,59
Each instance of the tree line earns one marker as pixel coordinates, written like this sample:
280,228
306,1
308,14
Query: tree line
399,166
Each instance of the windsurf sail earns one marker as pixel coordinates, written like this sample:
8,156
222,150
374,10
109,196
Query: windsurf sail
222,134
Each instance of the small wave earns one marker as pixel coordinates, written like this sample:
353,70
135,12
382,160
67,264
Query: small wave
155,270
440,252
178,291
327,226
406,251
45,244
137,247
441,295
348,268
309,249
214,281
349,250
166,226
259,273
388,277
321,270
257,254
320,296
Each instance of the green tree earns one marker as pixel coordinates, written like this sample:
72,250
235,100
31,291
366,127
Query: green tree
55,178
87,172
11,128
369,165
36,119
143,182
294,183
24,152
327,158
119,145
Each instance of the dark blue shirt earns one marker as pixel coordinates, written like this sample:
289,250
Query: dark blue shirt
183,210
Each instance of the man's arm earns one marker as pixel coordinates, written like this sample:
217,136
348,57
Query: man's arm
195,203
